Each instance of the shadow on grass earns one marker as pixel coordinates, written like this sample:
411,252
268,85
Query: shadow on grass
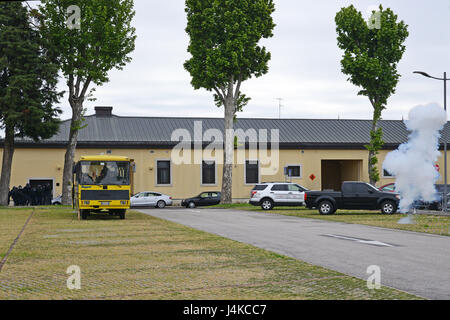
103,216
312,212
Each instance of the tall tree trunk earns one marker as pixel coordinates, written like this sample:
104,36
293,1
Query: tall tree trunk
69,156
375,141
8,152
372,153
228,151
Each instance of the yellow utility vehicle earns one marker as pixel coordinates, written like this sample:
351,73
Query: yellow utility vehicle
102,183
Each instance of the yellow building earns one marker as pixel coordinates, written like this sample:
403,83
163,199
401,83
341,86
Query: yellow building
319,153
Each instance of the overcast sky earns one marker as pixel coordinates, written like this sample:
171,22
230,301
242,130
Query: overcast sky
304,69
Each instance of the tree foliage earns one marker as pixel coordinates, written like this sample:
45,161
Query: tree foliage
371,55
28,80
224,37
28,77
103,42
86,54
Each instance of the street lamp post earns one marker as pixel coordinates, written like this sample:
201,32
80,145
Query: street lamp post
444,207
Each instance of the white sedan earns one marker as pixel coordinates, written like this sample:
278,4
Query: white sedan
150,199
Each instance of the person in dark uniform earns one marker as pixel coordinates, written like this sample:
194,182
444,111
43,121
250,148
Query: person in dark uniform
20,196
10,193
14,195
40,195
27,194
33,195
48,194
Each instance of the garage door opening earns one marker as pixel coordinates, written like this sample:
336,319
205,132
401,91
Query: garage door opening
334,172
41,182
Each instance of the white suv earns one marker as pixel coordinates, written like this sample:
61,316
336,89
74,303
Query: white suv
271,194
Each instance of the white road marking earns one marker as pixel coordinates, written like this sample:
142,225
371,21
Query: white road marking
371,242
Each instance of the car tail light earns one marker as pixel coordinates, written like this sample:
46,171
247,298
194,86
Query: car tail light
254,192
304,197
170,198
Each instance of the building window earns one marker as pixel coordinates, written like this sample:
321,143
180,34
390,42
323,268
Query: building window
163,172
251,171
208,172
386,174
294,171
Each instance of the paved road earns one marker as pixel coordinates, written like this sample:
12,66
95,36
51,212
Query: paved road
414,262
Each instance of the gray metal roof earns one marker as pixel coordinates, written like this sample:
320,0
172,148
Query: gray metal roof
158,130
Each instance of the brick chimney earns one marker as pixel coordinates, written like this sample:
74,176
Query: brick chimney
103,111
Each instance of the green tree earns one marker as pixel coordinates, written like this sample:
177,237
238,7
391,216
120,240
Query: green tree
86,54
224,45
372,51
28,80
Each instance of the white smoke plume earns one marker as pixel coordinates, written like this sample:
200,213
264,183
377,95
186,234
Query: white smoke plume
413,162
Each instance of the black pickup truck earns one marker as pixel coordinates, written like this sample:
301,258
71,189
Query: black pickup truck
354,195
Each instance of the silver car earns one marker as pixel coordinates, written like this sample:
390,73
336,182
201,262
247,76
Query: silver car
150,199
57,200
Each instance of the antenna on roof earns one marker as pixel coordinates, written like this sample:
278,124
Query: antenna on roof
279,106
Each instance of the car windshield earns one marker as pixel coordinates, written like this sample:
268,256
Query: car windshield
372,187
104,173
302,188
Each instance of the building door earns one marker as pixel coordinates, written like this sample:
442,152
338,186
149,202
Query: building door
41,192
41,182
334,172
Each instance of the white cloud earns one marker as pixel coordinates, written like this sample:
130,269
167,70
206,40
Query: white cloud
304,69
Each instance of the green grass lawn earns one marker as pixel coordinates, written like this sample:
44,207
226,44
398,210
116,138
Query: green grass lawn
143,257
435,224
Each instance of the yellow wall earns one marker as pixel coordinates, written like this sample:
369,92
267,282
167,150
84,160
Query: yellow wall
38,163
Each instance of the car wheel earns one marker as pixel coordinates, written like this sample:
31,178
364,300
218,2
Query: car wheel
388,207
161,204
84,215
326,207
122,215
266,204
191,205
57,203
